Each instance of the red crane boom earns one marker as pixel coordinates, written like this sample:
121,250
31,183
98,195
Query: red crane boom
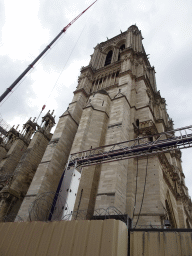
8,90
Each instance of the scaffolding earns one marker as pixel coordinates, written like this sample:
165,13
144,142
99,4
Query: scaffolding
141,146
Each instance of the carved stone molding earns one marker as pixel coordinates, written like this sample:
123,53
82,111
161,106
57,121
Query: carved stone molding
146,128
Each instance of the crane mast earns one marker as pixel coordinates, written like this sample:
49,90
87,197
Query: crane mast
9,89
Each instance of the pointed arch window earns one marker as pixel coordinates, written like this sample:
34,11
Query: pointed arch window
108,58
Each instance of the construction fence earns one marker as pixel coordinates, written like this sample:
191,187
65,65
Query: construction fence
108,237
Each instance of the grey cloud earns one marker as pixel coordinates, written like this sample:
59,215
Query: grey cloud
2,20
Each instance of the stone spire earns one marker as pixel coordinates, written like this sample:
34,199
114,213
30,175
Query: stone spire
48,121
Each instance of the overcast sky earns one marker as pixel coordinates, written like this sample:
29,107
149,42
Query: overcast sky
28,26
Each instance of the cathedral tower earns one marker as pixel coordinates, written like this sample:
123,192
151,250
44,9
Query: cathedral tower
117,100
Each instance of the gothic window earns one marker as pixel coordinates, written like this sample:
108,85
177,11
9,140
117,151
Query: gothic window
28,128
108,58
120,50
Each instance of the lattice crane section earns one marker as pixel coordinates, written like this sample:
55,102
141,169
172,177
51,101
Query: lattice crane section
148,145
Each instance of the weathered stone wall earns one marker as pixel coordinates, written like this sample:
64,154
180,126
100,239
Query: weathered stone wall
52,165
3,152
8,164
28,163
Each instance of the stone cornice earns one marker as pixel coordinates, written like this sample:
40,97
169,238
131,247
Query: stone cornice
90,106
111,68
81,90
88,67
109,41
73,102
127,72
69,114
123,96
147,126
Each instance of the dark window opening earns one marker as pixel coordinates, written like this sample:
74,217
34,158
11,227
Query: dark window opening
122,47
137,122
102,103
151,138
46,123
108,58
28,128
117,74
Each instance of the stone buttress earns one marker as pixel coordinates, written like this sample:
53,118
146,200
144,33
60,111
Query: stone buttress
52,165
18,147
26,168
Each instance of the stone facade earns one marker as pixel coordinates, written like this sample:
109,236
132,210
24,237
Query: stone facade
19,173
116,100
